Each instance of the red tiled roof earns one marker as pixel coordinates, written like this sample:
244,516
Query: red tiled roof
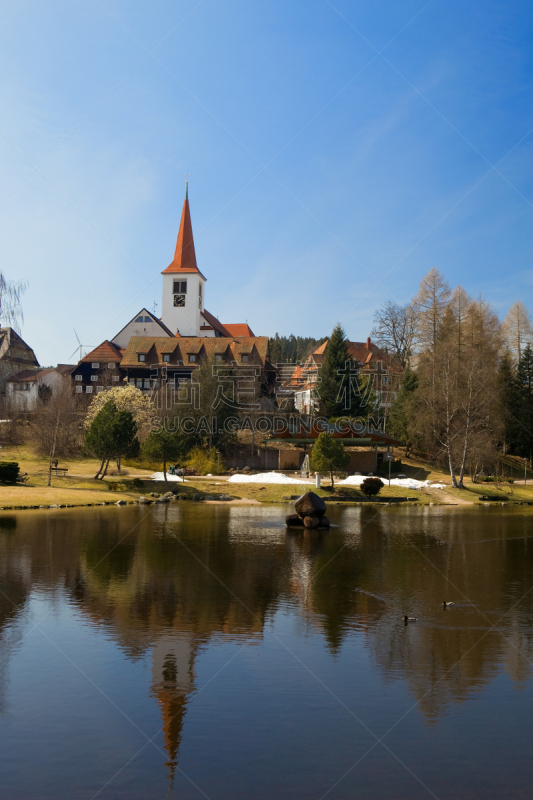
207,346
184,256
239,329
215,323
107,351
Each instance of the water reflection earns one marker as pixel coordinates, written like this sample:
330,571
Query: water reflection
169,582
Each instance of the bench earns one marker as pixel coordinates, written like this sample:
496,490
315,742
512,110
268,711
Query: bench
57,470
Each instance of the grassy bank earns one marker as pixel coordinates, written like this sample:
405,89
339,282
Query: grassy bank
78,486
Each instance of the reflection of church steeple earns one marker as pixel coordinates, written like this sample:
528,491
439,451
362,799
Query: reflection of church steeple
172,682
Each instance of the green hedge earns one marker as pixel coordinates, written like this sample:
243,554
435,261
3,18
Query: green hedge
9,471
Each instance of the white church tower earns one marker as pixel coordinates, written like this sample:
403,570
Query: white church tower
183,284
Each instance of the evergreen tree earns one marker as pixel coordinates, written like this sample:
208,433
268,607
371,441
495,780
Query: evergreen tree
164,445
509,395
329,456
292,349
112,434
342,390
332,374
524,404
400,413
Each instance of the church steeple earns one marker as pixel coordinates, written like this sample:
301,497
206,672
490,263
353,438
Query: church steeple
184,256
182,309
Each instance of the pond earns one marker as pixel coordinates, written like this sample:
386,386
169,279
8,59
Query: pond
192,651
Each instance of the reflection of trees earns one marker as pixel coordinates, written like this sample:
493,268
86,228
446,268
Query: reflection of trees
169,580
388,564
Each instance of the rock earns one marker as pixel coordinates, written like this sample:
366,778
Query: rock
120,503
145,501
163,500
225,497
169,494
311,522
246,469
310,505
293,520
324,522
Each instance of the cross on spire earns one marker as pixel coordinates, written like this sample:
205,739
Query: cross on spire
187,176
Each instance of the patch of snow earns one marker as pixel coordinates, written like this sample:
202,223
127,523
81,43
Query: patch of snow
267,477
406,483
160,476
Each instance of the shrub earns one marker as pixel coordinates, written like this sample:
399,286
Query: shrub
371,486
204,461
9,471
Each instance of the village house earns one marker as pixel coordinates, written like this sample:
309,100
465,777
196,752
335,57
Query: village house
15,356
30,388
372,361
149,361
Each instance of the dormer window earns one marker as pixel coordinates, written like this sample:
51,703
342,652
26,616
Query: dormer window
141,356
192,358
244,359
166,357
180,287
218,358
95,365
111,365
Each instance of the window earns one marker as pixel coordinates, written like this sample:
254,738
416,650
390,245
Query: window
180,287
384,380
218,358
166,356
147,383
79,389
141,357
131,381
89,389
94,377
111,365
95,365
200,289
139,383
116,378
78,377
148,319
99,389
192,358
139,319
244,359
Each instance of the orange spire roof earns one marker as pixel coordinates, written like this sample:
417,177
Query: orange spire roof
184,257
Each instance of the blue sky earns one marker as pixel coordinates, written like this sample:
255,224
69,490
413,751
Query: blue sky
337,152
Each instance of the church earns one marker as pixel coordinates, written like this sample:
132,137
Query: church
185,336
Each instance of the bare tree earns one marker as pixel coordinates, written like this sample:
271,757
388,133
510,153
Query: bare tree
430,305
395,330
457,393
518,328
10,306
57,425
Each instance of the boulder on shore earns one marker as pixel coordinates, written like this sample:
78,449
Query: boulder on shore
311,522
310,505
324,522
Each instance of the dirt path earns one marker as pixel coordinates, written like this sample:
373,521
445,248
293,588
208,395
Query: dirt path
441,496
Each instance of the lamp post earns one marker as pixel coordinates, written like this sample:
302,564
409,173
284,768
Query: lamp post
390,458
525,471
